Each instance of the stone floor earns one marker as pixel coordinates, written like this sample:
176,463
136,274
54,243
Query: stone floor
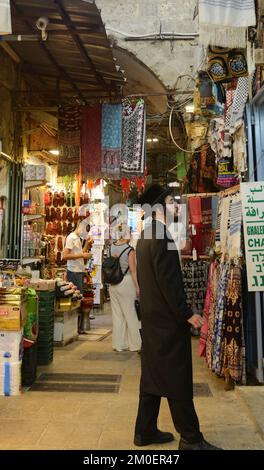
77,420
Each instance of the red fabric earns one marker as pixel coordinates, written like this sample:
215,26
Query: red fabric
195,209
91,149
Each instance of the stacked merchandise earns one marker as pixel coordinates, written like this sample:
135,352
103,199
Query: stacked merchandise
61,213
195,274
29,361
12,321
46,326
222,335
66,313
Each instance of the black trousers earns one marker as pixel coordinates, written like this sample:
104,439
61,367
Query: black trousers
183,415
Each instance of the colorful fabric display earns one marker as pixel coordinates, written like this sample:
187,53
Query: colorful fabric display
133,139
69,138
91,141
232,355
224,23
195,209
111,140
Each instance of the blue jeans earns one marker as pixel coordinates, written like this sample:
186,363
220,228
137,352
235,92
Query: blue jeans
76,278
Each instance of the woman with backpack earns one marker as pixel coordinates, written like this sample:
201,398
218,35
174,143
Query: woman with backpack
123,295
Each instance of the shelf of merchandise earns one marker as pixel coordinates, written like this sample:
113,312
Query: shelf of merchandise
30,217
34,259
34,183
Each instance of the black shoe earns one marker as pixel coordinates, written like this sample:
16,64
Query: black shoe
202,445
158,438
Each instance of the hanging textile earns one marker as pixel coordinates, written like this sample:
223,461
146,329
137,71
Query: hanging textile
206,203
240,149
69,139
91,141
111,140
234,242
223,23
195,275
214,279
206,310
5,17
214,204
225,64
195,209
219,315
233,345
239,103
133,139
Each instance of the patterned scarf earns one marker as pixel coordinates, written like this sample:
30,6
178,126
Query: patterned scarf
69,138
111,139
91,150
133,137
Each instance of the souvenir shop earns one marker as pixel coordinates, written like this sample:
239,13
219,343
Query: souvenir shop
227,110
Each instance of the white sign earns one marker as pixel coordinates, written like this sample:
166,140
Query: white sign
252,195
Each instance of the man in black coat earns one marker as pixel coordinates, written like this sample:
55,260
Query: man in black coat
166,358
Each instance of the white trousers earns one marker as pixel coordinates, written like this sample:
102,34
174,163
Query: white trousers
125,322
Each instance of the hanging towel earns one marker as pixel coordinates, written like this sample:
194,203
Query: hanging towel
214,204
111,139
69,137
91,141
195,209
5,17
206,203
133,139
224,22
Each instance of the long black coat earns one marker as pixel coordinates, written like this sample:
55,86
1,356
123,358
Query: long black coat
166,357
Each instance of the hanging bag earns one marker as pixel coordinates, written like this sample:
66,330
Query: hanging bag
111,268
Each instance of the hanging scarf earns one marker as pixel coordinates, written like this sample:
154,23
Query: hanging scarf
219,315
133,137
232,357
214,211
69,141
195,209
234,242
91,136
111,139
207,212
224,22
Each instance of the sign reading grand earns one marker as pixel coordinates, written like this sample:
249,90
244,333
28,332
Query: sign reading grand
252,195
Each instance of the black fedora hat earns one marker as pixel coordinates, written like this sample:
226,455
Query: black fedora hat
154,194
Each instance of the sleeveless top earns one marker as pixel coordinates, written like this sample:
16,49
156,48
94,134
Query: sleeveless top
116,250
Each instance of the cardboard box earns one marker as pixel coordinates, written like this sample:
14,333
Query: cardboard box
43,285
11,346
10,378
13,318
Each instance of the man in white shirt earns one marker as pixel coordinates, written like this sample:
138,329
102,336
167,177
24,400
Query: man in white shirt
75,256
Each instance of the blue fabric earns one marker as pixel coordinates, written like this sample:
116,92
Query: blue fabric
112,126
214,211
7,379
76,278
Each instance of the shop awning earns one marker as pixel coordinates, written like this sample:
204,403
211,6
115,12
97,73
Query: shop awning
76,60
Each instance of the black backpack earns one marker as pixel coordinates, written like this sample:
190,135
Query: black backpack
112,270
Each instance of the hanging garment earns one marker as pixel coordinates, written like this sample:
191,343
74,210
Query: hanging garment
214,203
133,139
207,212
240,149
69,138
239,103
195,209
224,225
211,313
5,17
206,311
219,315
111,140
235,230
233,345
91,141
223,23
